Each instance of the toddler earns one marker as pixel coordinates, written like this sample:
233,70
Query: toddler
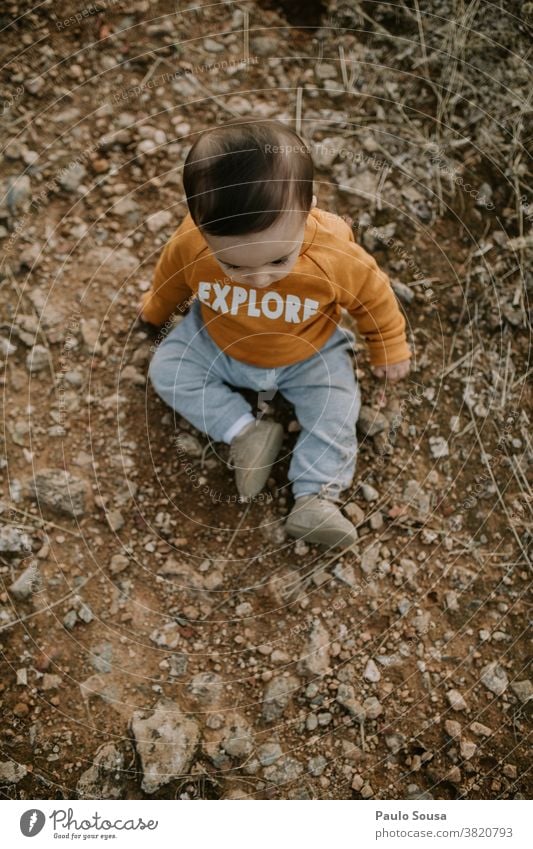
268,274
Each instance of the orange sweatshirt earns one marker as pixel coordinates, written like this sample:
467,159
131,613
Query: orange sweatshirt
291,319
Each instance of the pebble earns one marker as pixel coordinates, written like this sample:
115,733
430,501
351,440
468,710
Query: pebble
278,693
11,772
205,688
61,491
118,564
14,541
71,178
166,740
480,730
37,359
467,749
315,659
404,292
345,573
357,783
285,769
21,709
317,765
523,690
438,447
366,791
372,707
354,512
452,728
103,778
369,493
27,582
115,519
371,422
371,672
370,558
416,497
456,700
494,677
268,753
395,742
159,220
346,698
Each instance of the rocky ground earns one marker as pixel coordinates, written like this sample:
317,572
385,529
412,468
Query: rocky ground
158,638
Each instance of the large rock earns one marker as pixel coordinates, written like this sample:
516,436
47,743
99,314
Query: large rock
103,778
61,491
494,677
166,740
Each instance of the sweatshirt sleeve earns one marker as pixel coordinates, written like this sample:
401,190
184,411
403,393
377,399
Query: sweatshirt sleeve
368,296
169,286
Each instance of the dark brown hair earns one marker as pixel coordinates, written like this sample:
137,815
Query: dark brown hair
240,177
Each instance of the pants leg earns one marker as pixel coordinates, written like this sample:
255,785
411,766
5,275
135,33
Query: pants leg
327,399
192,375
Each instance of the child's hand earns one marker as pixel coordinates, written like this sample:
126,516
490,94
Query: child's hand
139,311
394,372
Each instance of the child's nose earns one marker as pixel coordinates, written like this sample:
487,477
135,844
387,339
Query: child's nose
259,279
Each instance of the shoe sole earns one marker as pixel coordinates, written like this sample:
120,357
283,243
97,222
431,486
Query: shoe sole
267,455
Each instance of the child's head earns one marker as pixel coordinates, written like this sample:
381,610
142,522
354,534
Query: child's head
249,189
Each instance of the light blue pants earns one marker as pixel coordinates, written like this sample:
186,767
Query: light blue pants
198,380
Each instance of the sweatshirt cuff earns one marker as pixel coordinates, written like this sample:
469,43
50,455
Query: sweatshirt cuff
394,353
153,310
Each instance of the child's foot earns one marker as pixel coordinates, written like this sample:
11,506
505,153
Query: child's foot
252,454
319,520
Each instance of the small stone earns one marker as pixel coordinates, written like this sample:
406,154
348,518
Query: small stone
376,521
372,707
438,447
345,573
278,693
367,791
456,700
11,772
27,582
523,690
284,770
315,659
213,46
118,564
317,765
205,688
85,613
102,779
370,558
189,445
269,753
416,498
369,493
61,491
346,698
495,679
22,677
37,359
21,709
510,771
115,519
70,619
395,742
166,740
480,730
452,728
50,681
354,512
404,292
371,672
467,749
159,220
454,775
70,179
357,783
451,600
370,422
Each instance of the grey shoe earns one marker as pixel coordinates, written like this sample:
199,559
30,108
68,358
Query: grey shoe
318,520
252,454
